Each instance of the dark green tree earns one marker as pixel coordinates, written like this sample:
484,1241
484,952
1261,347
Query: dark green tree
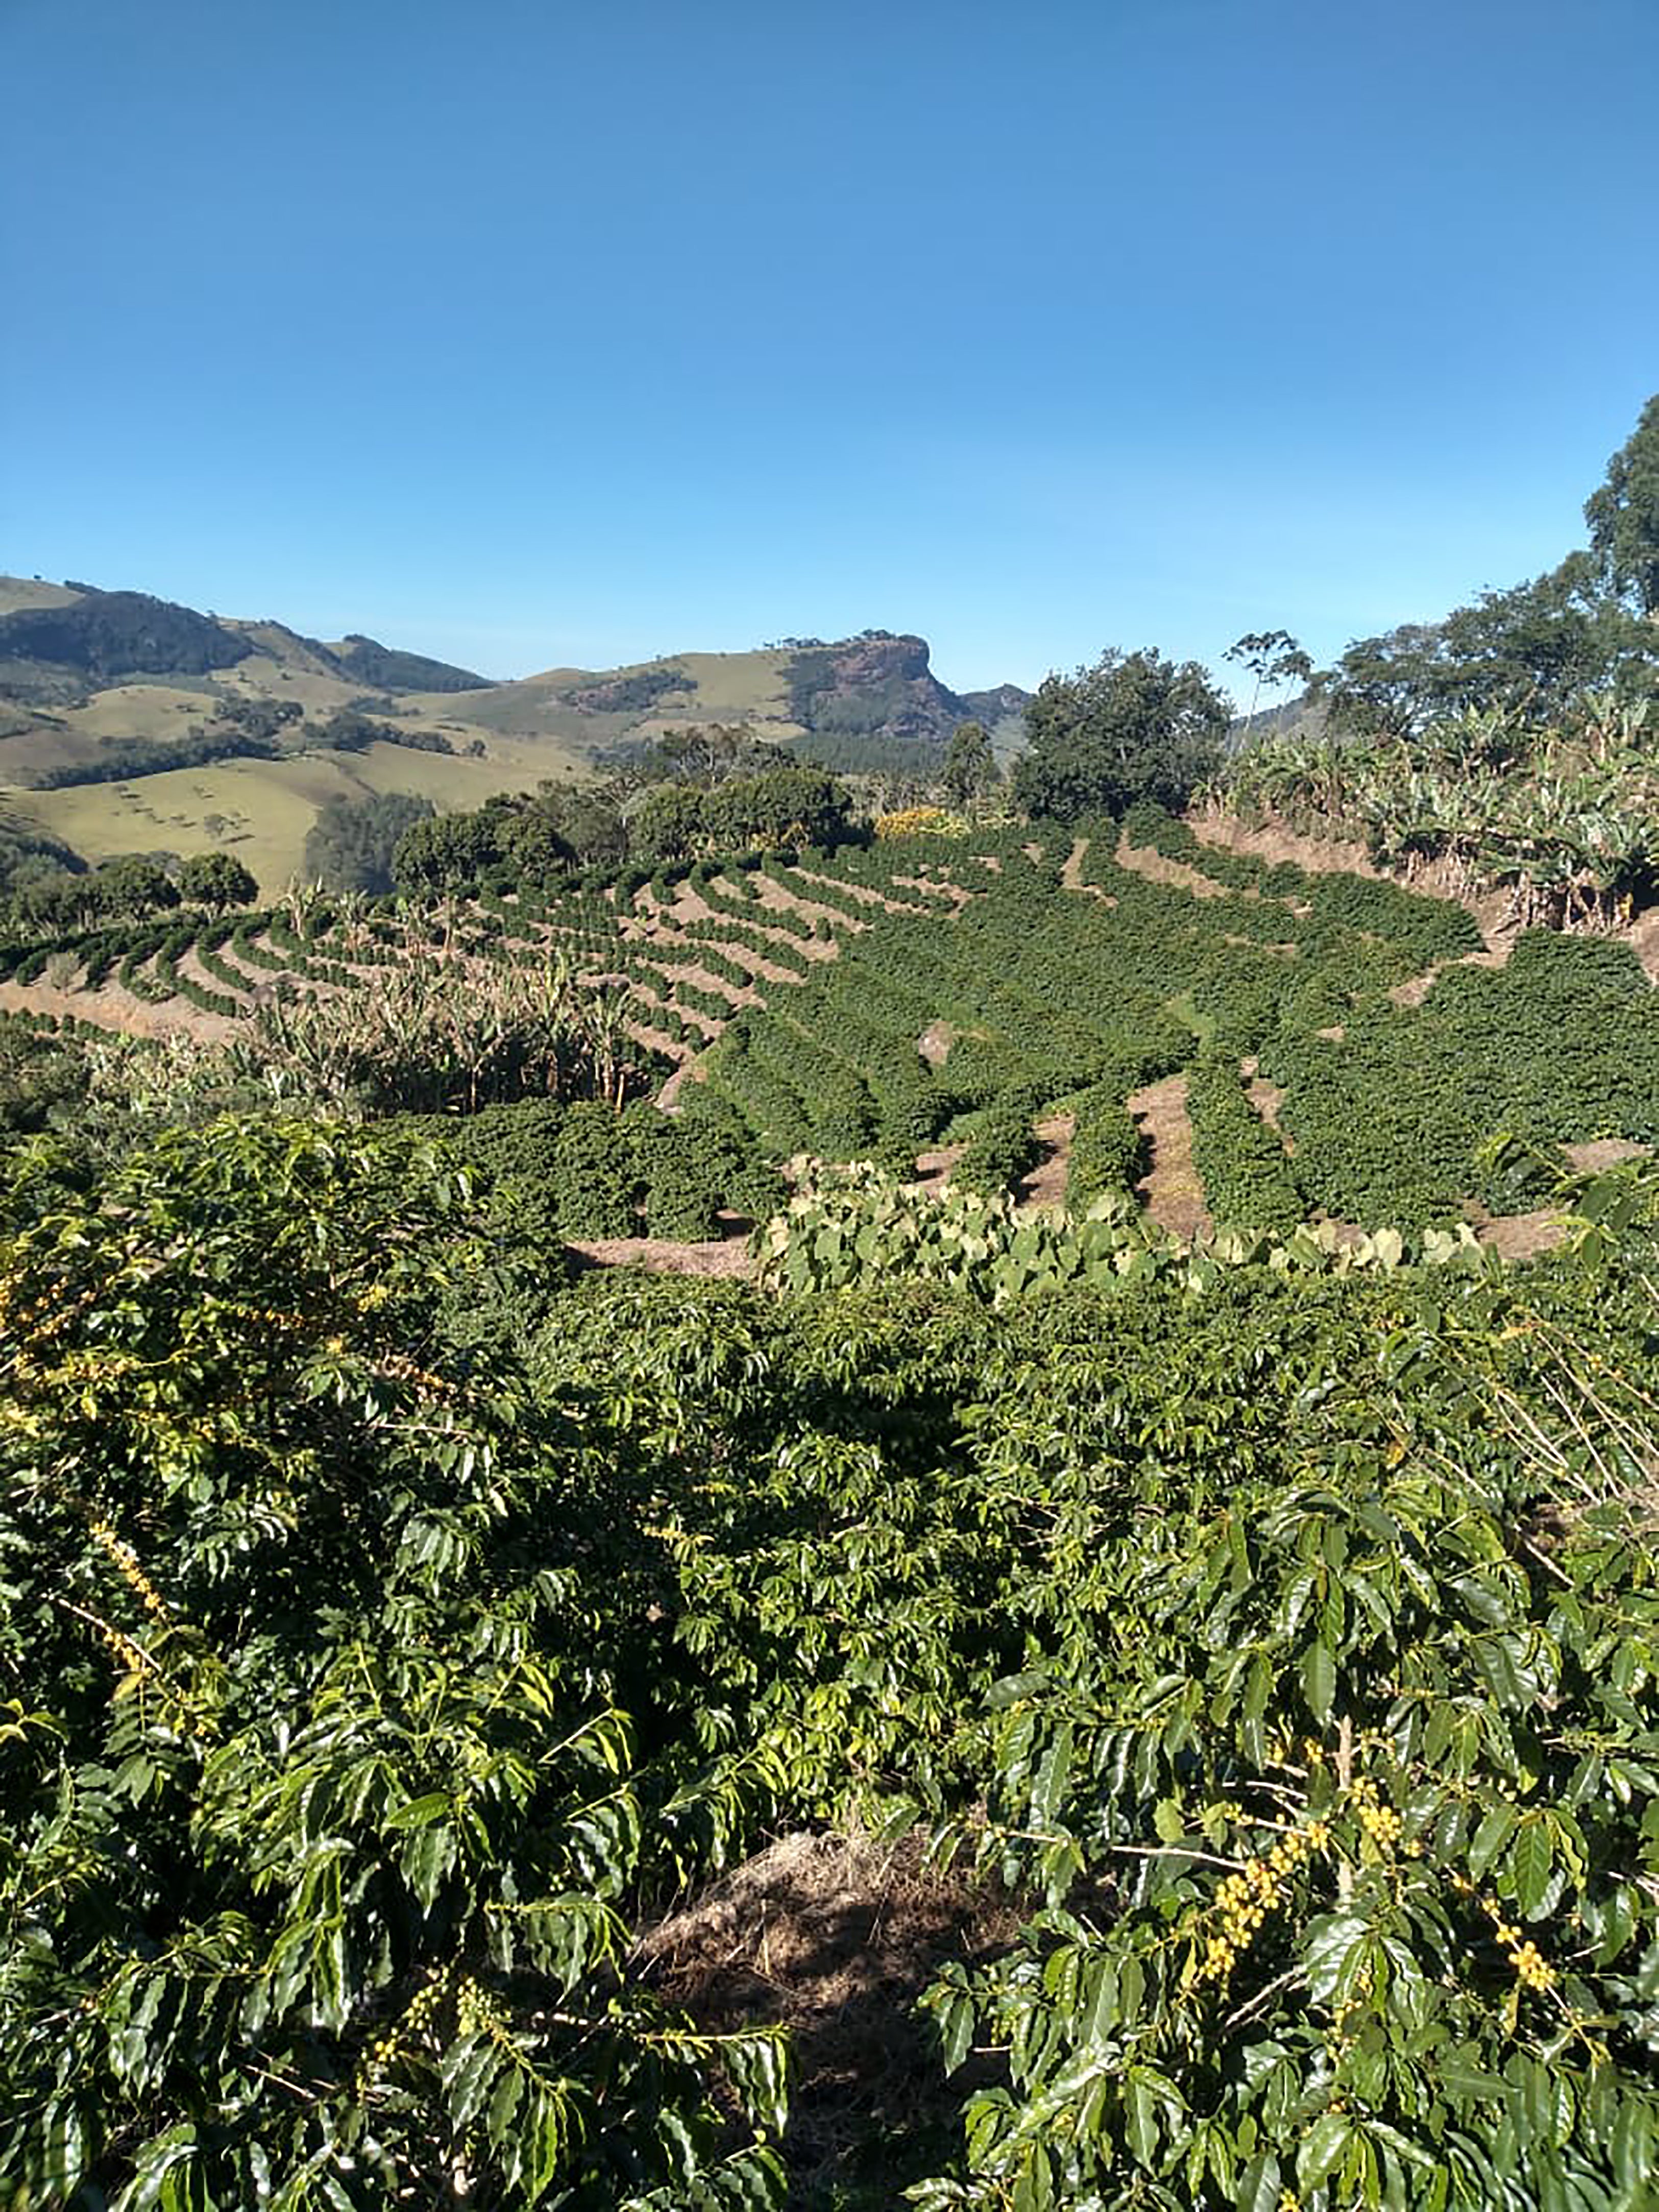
135,885
1134,726
445,851
589,819
971,766
216,880
1623,516
784,806
707,754
349,845
670,824
1531,651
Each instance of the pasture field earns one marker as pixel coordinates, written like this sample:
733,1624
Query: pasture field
268,806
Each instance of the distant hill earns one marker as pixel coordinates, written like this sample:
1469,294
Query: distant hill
101,690
382,668
1303,717
96,638
56,639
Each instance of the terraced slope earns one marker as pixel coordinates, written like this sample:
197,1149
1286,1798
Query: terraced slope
1226,1040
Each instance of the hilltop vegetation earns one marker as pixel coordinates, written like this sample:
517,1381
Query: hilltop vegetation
115,688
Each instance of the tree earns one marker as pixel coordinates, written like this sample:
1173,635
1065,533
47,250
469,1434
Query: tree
669,824
709,755
135,885
589,819
1531,651
785,806
1134,727
1623,516
349,848
970,766
216,880
1272,657
443,852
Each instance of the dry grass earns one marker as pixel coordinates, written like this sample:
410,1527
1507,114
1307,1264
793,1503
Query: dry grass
1170,1190
834,1937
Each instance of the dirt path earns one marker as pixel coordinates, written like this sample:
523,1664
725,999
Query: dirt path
782,900
1267,1098
1519,1235
1044,1190
1159,869
933,1169
1604,1152
1071,874
934,886
121,1011
728,1256
1170,1190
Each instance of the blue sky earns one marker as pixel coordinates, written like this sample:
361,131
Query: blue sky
532,334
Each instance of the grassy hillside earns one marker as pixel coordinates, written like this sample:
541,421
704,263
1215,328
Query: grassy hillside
57,715
18,593
261,810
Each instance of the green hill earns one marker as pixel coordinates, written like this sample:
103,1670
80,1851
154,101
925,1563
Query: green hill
84,671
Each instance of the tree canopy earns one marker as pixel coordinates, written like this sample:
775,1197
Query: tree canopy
216,879
349,848
1134,726
1531,651
971,766
1623,515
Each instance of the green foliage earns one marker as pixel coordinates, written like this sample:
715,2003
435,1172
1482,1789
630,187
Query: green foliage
318,1802
1388,1120
105,635
970,766
349,846
38,1075
1534,653
1249,1183
133,885
1108,1151
1567,821
1623,514
350,731
216,880
1288,1629
1228,1623
119,759
28,853
856,1227
437,1035
1134,726
633,693
384,668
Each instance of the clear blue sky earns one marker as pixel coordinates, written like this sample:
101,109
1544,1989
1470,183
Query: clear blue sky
531,333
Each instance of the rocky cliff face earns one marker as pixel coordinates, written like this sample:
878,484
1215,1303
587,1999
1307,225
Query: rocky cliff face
880,685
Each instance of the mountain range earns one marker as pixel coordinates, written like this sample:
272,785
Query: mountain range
132,723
